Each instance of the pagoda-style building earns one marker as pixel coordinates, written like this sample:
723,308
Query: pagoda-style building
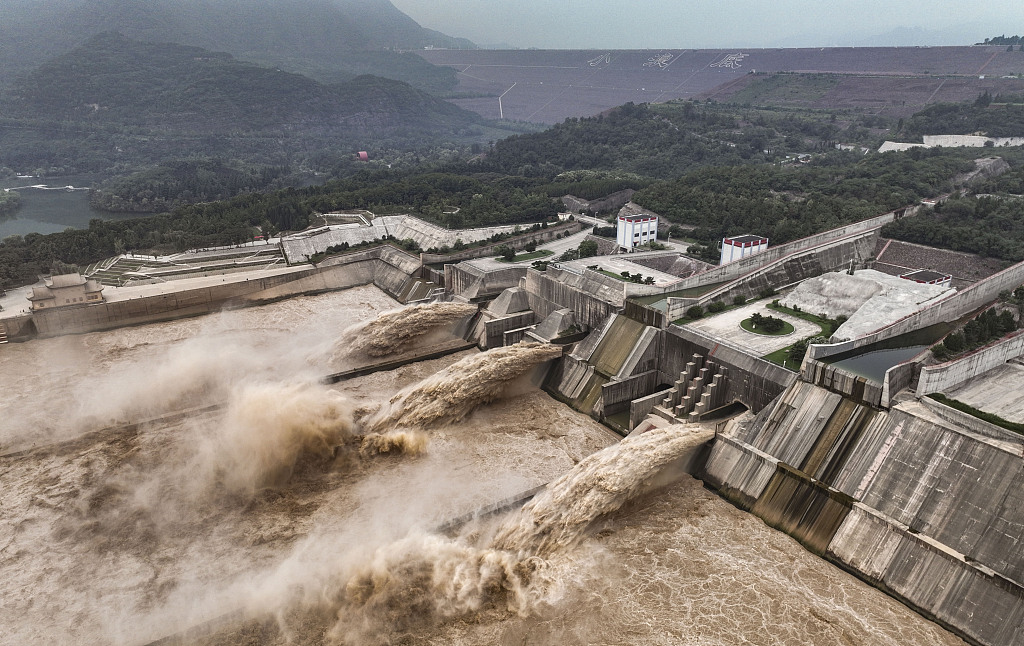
64,291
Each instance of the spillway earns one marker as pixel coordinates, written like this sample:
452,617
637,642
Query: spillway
105,541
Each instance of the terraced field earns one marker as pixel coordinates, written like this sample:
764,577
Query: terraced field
547,86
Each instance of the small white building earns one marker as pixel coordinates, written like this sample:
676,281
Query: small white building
636,229
738,247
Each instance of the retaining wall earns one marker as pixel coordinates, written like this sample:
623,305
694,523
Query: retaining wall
752,381
495,329
539,236
473,283
300,247
19,328
949,375
383,266
641,407
860,389
744,266
948,309
617,395
1014,442
932,512
557,289
785,271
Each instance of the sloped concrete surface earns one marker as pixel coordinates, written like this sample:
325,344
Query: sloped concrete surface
869,299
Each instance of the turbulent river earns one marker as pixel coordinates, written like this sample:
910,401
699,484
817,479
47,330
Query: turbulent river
289,512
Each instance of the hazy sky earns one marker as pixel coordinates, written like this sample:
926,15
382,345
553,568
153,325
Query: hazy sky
637,24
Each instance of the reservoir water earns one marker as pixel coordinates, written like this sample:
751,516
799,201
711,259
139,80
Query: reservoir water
53,208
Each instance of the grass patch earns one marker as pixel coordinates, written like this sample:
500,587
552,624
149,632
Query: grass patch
613,275
781,358
980,414
533,255
748,325
828,326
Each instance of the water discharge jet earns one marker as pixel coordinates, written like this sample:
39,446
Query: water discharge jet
424,579
451,394
558,517
395,331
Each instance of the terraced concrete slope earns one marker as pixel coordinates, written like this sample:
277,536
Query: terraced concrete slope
927,509
547,86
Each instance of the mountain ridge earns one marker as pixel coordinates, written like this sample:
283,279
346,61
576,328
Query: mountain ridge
314,37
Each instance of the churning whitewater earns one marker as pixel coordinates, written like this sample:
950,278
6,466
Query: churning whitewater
164,476
524,565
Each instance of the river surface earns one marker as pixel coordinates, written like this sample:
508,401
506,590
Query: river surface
127,534
52,209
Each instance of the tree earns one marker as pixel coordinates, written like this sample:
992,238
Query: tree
506,252
798,350
587,249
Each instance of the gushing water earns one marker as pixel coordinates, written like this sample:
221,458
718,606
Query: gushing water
270,428
451,394
424,578
395,331
558,517
404,442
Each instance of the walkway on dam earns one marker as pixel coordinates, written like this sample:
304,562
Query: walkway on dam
726,326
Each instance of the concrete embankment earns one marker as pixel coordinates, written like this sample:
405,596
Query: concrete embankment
926,509
384,266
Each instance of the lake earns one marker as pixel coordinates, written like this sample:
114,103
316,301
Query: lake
55,208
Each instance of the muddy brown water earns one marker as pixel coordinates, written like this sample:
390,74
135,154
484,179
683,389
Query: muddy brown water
132,533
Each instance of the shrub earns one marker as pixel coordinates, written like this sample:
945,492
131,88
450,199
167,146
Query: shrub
739,299
798,350
716,306
772,324
506,251
767,291
530,247
695,312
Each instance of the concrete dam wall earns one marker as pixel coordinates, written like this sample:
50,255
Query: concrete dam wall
928,510
383,266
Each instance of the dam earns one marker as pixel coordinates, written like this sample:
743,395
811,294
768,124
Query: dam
201,470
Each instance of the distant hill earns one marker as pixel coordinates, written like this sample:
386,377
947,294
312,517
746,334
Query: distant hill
114,79
120,103
330,39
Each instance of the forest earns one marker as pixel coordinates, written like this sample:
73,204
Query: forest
988,226
785,203
722,168
9,202
115,106
995,116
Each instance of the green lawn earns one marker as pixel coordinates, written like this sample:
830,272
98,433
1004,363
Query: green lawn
787,328
823,323
533,255
781,358
608,273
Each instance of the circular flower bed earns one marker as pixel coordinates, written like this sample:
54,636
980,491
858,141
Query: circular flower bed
766,325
